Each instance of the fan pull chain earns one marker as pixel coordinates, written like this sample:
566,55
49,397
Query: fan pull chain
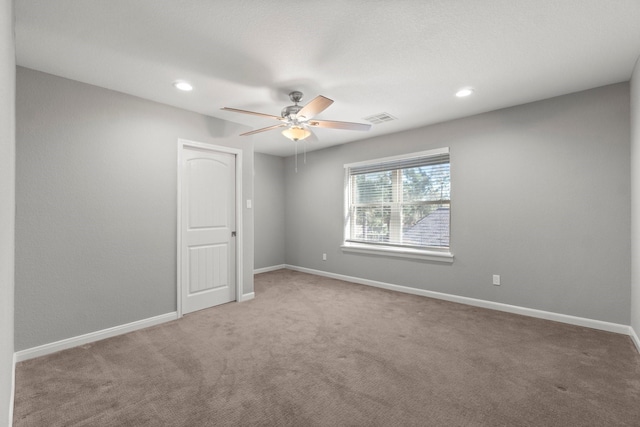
304,144
296,143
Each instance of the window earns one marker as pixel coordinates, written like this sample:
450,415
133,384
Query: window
400,205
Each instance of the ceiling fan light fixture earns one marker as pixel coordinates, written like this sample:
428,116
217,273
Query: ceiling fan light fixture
296,133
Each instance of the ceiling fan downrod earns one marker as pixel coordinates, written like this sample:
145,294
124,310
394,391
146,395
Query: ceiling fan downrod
291,111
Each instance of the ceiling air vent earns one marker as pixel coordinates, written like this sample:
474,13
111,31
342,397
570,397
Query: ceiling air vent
376,119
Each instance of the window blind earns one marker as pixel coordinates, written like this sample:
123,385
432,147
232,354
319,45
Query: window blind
400,201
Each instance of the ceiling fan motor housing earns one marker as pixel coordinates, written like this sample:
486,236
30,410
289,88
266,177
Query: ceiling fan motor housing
290,110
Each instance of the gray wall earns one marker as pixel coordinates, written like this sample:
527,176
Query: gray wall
540,195
7,203
269,210
96,205
635,199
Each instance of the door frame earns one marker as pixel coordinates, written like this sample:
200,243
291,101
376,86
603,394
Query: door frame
182,144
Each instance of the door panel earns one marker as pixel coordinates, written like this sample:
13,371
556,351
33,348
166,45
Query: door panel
202,196
202,267
208,220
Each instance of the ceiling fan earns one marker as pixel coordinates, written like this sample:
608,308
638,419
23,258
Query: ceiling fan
297,119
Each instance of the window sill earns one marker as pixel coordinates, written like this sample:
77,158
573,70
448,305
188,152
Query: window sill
391,251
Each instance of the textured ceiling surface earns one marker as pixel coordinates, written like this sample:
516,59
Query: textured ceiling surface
405,57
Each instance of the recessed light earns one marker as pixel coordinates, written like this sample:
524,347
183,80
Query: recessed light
182,85
464,92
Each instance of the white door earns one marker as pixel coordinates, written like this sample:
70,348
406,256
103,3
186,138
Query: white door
208,220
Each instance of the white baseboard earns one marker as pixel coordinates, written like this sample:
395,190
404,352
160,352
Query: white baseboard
145,323
557,317
634,338
247,297
267,269
53,347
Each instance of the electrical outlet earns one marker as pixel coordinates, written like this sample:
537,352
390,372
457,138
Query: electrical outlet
496,279
324,257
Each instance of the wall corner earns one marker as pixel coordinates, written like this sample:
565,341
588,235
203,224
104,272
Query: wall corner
635,199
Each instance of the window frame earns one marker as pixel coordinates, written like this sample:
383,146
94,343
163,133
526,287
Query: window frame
408,252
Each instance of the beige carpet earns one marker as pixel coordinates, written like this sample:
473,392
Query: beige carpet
312,351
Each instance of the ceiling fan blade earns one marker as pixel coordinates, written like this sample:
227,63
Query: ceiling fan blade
235,110
316,106
338,125
264,129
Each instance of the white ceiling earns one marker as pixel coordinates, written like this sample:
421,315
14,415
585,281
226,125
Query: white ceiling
403,57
